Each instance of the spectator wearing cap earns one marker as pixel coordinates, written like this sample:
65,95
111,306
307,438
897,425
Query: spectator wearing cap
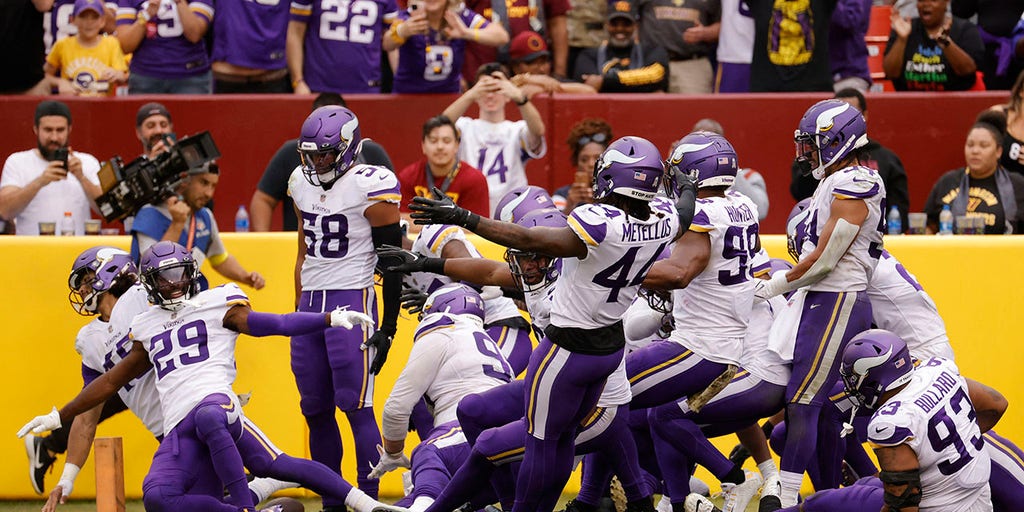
154,128
165,38
687,30
249,48
431,42
545,17
41,184
531,68
498,147
59,25
91,62
621,63
185,219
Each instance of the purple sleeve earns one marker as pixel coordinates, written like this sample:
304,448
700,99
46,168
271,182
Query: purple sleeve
301,11
591,233
290,324
857,194
89,375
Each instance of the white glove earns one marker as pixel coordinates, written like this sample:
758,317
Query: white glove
388,462
348,319
41,424
766,289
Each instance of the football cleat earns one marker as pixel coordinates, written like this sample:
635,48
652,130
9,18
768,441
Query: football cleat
737,496
697,503
39,462
771,494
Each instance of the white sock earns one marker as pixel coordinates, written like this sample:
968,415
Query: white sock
791,483
768,468
360,501
664,504
263,488
421,504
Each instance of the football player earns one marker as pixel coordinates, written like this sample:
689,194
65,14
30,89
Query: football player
187,340
843,243
346,209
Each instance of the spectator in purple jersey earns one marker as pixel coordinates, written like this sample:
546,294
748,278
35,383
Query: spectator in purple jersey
431,42
165,38
248,47
342,52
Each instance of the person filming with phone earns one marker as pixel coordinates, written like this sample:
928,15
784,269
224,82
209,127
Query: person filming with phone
45,184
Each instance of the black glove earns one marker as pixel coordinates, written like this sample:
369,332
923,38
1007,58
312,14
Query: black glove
739,455
413,300
441,210
396,259
686,201
382,341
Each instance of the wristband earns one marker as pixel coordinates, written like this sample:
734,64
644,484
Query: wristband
434,265
476,34
295,83
526,99
67,478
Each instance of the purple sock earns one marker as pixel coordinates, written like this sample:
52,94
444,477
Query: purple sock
212,428
594,478
802,420
503,482
544,472
311,475
857,458
367,437
325,445
290,324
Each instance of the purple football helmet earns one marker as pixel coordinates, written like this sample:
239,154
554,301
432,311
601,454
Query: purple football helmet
455,299
829,131
521,201
94,272
630,166
169,274
875,361
533,271
706,158
794,241
329,144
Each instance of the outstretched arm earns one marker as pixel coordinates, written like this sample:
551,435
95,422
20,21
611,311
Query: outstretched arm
243,319
689,258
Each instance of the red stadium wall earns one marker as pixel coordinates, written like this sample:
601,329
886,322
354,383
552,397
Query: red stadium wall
926,130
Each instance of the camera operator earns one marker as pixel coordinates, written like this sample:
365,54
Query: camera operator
154,128
185,219
35,185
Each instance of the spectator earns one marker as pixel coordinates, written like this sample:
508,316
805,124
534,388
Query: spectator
154,129
441,168
496,146
1013,143
876,156
273,186
587,140
431,41
585,27
848,51
546,17
791,46
57,22
166,42
687,30
620,63
35,186
982,188
934,52
531,68
735,47
996,22
748,181
248,48
91,62
186,220
21,37
342,53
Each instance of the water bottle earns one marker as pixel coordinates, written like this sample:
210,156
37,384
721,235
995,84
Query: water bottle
242,220
946,221
894,222
67,225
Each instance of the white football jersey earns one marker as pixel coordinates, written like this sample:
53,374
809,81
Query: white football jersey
900,305
933,415
712,312
104,344
736,37
452,356
339,245
538,303
595,291
616,388
757,358
853,271
193,354
500,151
430,242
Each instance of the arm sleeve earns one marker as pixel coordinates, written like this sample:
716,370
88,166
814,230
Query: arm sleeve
392,285
649,78
416,377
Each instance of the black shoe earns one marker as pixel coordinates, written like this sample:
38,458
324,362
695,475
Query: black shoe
39,462
341,508
575,505
769,504
641,505
739,455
